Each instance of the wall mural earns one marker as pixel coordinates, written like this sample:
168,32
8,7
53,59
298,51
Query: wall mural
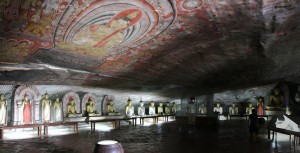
25,26
119,33
99,28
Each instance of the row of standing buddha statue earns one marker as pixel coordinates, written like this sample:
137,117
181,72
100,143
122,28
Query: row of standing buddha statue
26,106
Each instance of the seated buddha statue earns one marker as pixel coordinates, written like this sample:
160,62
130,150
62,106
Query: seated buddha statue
249,109
110,110
160,109
141,109
110,107
167,109
129,109
218,109
276,98
202,109
89,107
233,109
152,109
71,108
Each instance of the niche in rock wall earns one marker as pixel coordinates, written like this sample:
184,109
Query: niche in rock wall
18,104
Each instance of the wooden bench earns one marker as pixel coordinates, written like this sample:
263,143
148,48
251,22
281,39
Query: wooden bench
38,126
74,124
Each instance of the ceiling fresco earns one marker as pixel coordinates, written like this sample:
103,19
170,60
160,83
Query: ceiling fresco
141,43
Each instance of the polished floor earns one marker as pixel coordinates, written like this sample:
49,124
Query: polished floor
231,136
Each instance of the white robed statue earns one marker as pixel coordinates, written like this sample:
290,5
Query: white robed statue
2,110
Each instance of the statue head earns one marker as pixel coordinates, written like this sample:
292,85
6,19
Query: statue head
168,104
250,105
110,102
276,91
260,99
57,98
25,97
160,104
2,97
233,104
152,103
141,103
129,102
46,95
218,103
202,104
72,100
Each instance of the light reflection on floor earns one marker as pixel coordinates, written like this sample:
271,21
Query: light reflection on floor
165,137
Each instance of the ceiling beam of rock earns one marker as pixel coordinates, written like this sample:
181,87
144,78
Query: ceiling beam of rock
151,44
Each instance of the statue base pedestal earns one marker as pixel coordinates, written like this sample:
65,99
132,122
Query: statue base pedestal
274,108
93,114
275,112
113,114
74,119
74,115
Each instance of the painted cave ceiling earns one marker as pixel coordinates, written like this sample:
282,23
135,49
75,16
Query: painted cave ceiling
149,43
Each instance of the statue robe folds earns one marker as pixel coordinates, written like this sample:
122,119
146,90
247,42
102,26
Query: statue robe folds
27,113
141,110
46,111
57,113
2,113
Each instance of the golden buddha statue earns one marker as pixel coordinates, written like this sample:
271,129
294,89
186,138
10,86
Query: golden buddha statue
276,98
71,108
90,106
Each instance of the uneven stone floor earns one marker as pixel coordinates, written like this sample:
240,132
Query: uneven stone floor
230,137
